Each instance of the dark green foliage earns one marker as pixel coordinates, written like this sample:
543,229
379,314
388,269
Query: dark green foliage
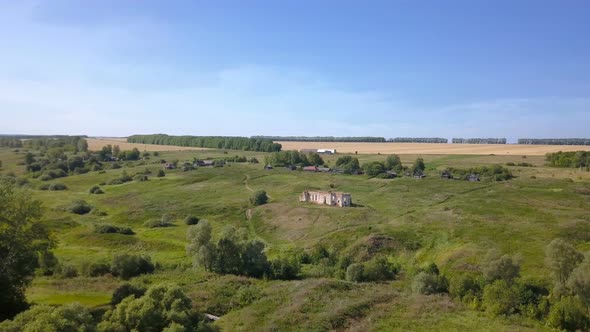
496,172
229,143
11,142
429,281
393,163
562,258
348,164
287,158
160,173
191,220
68,318
79,207
285,268
95,190
419,165
374,168
108,229
253,260
315,159
125,291
479,141
321,139
570,314
501,298
127,266
258,197
504,267
95,269
66,271
576,159
22,237
379,269
56,186
464,286
161,308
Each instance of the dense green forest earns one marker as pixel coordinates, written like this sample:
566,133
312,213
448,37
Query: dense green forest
214,142
578,159
418,140
321,138
554,141
479,141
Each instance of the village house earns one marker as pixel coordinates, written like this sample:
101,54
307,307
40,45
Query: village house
326,198
169,166
473,178
310,168
268,167
205,162
446,175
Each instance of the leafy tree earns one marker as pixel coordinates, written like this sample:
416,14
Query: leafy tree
579,281
48,263
569,314
206,256
254,262
162,306
379,269
259,198
562,258
198,235
419,165
503,267
29,158
228,257
374,168
315,159
500,298
22,238
285,268
393,162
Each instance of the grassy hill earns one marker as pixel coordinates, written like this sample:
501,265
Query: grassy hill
451,223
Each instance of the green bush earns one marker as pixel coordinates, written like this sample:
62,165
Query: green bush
355,272
66,271
108,228
95,190
127,266
124,291
70,317
95,269
57,187
140,178
48,263
165,221
379,269
259,197
191,220
161,173
79,207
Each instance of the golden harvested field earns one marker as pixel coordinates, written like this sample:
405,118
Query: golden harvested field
431,148
96,143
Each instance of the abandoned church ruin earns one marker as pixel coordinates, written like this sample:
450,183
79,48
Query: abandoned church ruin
327,198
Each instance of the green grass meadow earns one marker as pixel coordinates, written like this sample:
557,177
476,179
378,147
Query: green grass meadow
455,224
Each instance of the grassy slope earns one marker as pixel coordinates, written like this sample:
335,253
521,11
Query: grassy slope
455,222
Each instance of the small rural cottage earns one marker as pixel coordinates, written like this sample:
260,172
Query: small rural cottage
326,198
473,178
446,175
268,167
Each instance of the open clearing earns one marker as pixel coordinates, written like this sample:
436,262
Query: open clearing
96,143
433,148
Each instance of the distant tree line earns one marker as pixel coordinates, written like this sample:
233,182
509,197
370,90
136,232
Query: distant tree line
569,159
214,142
8,142
554,141
479,141
418,140
322,138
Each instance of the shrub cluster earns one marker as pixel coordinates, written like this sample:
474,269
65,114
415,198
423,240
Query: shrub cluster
108,229
79,207
127,266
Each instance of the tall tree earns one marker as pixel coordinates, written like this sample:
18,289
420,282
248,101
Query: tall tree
562,258
22,238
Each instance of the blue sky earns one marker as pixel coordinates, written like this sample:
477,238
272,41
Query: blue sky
470,68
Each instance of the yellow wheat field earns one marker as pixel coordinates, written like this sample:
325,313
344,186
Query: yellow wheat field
431,148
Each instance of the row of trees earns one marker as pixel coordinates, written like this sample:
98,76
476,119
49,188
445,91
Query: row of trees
555,141
235,254
479,141
293,157
322,138
418,140
569,159
495,172
214,142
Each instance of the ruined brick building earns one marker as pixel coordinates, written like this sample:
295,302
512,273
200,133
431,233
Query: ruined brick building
327,198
